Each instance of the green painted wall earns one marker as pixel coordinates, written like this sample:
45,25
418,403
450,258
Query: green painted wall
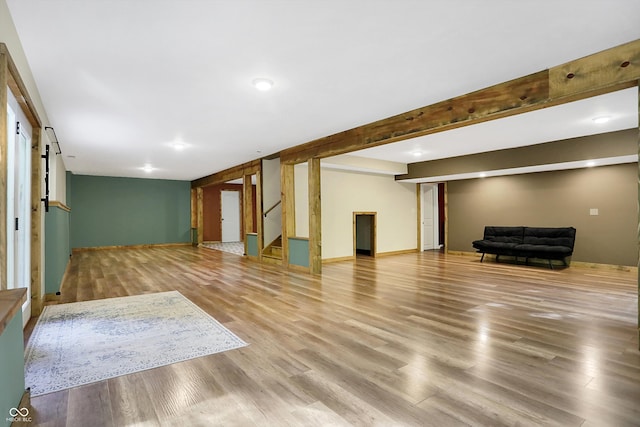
299,251
252,244
108,211
57,248
11,367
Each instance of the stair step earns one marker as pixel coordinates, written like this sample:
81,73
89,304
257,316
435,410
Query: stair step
276,251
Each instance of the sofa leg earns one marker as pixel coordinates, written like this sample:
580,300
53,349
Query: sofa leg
497,257
482,257
550,265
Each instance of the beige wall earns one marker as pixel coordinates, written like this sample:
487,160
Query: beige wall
346,192
554,199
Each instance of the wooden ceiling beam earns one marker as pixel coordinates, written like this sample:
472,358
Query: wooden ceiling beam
607,71
230,174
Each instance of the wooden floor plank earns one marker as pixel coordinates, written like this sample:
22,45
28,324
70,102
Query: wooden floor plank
413,339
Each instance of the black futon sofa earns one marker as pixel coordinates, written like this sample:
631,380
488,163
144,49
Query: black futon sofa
528,242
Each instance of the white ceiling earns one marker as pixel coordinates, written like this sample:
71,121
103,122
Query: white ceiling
124,80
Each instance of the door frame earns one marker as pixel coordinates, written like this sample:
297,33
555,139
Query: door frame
374,232
240,219
435,218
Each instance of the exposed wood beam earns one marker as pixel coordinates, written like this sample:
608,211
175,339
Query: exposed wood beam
607,71
230,174
315,217
287,196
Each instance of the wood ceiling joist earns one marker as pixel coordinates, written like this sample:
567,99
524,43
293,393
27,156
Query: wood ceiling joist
607,71
19,90
230,174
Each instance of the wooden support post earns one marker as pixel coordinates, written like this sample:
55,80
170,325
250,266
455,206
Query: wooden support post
287,196
260,217
638,325
194,215
4,82
37,299
200,214
247,194
315,217
419,203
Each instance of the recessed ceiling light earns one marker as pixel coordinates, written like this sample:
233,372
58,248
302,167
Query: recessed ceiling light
147,168
178,146
482,175
417,154
601,119
262,84
591,164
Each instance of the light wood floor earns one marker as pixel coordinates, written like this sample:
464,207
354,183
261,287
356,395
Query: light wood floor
416,339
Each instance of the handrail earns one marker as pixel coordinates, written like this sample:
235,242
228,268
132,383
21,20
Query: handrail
272,207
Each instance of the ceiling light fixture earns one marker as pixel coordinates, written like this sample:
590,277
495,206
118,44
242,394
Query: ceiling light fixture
591,164
178,146
147,168
482,175
262,84
417,154
601,119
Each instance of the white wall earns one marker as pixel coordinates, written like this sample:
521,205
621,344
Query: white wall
272,225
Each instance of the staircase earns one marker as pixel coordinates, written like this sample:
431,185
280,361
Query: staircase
273,252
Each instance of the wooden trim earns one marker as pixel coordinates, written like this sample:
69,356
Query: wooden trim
400,252
287,196
638,232
200,214
59,205
11,301
19,89
36,260
299,238
446,216
259,217
315,217
247,209
338,259
295,267
236,172
4,81
143,246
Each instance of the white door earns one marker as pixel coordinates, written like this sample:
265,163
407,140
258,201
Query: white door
18,203
230,216
429,216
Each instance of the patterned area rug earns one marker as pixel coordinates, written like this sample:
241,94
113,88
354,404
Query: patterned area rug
231,247
84,342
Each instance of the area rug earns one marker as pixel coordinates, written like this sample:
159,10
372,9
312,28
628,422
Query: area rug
84,342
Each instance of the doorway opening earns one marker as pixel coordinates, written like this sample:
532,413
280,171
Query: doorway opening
433,216
364,233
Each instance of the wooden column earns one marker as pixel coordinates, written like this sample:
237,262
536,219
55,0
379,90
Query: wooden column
260,217
287,196
247,194
4,81
315,218
638,325
419,212
199,214
194,213
36,221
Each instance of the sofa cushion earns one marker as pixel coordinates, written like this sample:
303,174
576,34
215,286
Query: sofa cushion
504,234
543,251
551,237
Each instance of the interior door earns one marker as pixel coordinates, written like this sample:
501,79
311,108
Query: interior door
18,203
429,216
230,216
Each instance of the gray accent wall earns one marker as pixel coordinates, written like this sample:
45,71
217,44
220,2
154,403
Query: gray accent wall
109,211
553,199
